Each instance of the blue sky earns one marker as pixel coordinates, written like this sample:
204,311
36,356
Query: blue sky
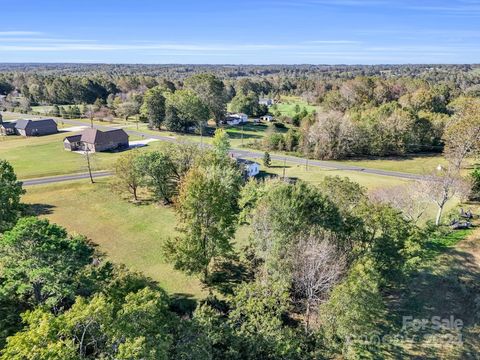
241,32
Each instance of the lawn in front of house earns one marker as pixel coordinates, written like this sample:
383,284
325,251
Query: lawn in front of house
34,157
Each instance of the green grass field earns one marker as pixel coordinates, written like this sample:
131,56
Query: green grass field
287,104
415,164
315,175
129,234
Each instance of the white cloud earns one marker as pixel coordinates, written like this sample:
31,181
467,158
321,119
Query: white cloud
19,33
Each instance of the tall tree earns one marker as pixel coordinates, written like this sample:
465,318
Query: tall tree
10,192
211,91
128,173
221,142
159,174
441,186
153,107
317,267
462,135
190,110
207,212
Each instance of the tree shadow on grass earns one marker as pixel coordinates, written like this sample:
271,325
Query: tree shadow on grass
182,304
39,209
238,135
227,274
448,289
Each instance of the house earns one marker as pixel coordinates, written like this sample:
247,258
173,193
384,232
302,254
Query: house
249,168
7,128
95,140
268,118
265,101
36,127
235,119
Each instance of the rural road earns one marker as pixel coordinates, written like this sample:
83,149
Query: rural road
61,178
235,152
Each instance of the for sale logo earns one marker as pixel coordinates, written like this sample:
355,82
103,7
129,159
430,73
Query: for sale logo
434,323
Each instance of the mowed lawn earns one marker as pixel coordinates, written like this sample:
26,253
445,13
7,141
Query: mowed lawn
315,174
287,105
129,234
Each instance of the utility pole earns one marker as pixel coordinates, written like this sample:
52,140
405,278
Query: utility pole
306,164
87,157
284,167
242,135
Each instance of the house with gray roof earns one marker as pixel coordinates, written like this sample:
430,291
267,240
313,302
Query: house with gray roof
94,140
8,128
29,127
36,127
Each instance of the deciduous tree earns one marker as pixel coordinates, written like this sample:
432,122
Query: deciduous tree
207,213
153,107
10,192
39,261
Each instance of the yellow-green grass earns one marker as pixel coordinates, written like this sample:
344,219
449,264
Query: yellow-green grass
415,164
34,157
129,234
315,175
6,116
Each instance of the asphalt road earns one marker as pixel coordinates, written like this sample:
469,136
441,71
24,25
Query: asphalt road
61,178
235,152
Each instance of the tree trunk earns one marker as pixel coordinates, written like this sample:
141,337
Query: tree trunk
37,292
307,317
439,215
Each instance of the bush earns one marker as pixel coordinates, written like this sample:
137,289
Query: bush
475,179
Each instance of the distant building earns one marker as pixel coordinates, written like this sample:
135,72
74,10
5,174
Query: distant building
268,118
266,101
95,140
235,119
29,127
8,128
249,168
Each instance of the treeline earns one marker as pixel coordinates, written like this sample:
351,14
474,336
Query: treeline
377,110
372,116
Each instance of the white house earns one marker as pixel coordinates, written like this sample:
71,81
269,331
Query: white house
236,119
250,168
268,118
266,101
